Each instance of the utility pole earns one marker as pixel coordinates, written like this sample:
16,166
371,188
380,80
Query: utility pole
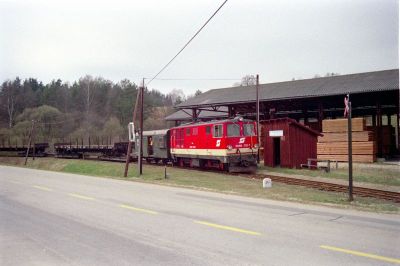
128,154
33,141
141,130
350,149
29,143
258,116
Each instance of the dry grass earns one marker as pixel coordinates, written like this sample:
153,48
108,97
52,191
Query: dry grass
383,176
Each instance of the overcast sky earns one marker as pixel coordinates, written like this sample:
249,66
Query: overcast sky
279,40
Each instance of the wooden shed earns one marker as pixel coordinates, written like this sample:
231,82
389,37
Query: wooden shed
288,143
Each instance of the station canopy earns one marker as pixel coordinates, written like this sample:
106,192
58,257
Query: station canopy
382,82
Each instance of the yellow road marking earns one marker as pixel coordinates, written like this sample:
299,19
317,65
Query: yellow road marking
362,254
228,228
80,196
43,188
137,209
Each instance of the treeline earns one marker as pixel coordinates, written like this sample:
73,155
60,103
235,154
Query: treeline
63,112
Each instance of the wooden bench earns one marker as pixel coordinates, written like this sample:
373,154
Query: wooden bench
313,164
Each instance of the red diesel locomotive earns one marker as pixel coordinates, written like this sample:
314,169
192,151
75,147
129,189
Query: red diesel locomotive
230,145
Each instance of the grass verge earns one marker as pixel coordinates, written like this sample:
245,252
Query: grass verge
382,176
207,181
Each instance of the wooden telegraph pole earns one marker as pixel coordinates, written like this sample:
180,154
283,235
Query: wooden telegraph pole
350,148
30,140
258,115
141,130
33,141
128,154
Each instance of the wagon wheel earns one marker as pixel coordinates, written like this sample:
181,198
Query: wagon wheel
224,167
202,163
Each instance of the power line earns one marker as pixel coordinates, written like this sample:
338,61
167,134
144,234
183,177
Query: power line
162,69
222,79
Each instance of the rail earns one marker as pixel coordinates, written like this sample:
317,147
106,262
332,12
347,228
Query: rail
359,191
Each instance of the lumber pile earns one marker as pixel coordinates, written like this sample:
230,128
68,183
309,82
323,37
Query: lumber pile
359,147
333,145
385,135
342,136
340,125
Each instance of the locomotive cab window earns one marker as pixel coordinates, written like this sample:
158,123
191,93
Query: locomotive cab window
188,132
217,133
195,131
248,130
233,130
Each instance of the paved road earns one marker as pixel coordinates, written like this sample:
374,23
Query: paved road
50,218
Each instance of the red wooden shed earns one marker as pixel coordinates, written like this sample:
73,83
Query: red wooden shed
288,143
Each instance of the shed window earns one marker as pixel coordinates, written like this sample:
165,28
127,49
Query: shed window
233,130
217,131
208,130
248,130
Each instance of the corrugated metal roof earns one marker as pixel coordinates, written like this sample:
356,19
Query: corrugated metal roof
181,115
293,122
354,83
155,132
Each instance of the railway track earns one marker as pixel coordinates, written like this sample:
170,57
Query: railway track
358,191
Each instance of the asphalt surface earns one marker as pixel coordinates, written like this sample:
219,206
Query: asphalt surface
49,218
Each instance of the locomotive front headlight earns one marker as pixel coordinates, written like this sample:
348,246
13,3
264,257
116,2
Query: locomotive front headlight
229,147
255,146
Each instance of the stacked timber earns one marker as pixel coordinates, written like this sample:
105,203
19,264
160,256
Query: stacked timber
333,145
385,136
340,125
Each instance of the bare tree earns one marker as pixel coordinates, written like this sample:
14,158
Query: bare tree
9,93
177,96
331,74
247,80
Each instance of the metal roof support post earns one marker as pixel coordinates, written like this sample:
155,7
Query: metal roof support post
231,111
379,128
320,115
194,114
305,116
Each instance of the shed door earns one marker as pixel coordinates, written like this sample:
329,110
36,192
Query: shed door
277,151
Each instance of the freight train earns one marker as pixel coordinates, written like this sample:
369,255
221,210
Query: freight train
229,145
